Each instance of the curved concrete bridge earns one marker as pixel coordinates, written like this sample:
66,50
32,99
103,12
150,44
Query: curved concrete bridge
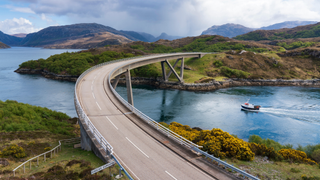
112,127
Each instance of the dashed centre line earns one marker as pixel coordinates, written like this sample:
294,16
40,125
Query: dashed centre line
98,105
138,148
112,122
93,96
171,175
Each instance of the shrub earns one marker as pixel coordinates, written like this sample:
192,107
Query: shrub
294,170
263,150
47,149
304,177
15,151
316,155
268,142
217,63
216,142
233,72
296,156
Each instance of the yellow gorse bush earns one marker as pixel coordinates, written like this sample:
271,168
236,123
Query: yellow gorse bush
296,155
15,151
217,142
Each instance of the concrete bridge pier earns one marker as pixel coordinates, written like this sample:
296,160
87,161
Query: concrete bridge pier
129,87
90,143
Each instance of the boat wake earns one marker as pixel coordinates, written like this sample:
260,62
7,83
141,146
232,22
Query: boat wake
311,115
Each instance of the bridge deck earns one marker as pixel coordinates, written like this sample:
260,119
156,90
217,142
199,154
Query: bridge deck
142,155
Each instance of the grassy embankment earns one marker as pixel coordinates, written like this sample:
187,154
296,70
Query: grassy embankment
259,61
27,131
264,158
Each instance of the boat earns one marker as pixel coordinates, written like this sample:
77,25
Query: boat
250,107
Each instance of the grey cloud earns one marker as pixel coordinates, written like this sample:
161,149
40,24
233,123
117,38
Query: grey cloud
177,17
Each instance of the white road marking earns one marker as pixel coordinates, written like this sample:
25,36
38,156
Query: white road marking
93,96
171,175
137,148
98,105
112,122
126,165
95,77
91,88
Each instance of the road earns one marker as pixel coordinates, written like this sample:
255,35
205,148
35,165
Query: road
141,155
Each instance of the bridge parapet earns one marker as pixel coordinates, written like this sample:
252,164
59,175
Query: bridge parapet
122,69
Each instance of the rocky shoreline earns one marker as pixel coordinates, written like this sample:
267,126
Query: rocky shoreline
212,85
47,74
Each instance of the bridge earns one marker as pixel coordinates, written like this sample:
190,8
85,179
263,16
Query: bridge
113,129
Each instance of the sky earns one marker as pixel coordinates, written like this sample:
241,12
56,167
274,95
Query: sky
174,17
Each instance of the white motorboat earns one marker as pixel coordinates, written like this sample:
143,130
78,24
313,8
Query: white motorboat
250,107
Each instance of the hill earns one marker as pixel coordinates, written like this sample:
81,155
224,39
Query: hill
9,40
3,46
288,24
228,30
166,37
136,35
149,37
308,31
58,34
88,41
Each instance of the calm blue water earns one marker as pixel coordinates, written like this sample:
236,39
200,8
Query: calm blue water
34,89
288,114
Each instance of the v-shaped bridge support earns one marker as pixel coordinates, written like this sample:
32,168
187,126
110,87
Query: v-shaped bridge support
166,77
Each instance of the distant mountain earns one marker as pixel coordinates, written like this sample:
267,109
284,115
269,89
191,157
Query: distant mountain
232,30
147,36
3,46
20,35
167,37
288,24
227,30
9,40
135,35
59,34
308,31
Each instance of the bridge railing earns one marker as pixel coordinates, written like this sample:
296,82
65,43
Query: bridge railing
149,120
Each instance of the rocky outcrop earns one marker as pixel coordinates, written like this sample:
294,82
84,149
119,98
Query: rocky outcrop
47,74
311,52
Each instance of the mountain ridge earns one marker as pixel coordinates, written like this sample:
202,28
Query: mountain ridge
307,31
232,30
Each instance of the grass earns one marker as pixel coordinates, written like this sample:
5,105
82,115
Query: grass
67,154
275,170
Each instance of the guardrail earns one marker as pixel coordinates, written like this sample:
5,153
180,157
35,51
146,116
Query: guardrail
149,120
55,150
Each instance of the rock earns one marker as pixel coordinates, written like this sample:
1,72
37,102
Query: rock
230,57
242,51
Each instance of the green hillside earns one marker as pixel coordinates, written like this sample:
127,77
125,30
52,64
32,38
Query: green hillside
309,31
16,116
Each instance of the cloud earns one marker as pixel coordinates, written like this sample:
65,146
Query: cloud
14,26
20,9
177,17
